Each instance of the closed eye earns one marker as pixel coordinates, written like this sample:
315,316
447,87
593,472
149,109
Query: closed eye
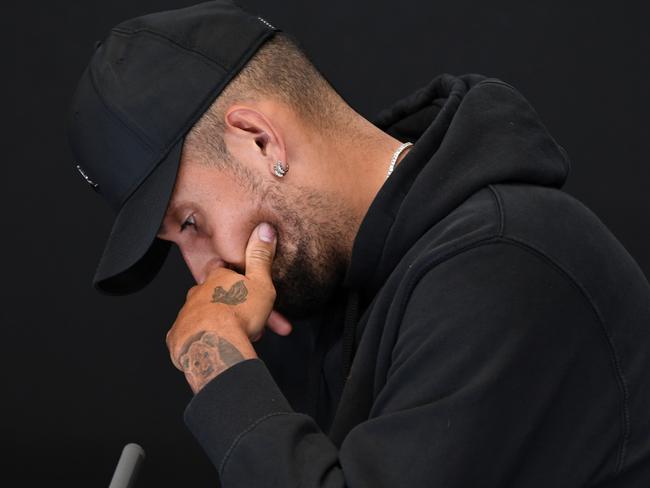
189,221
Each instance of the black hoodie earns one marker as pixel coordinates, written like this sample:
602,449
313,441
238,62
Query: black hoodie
491,331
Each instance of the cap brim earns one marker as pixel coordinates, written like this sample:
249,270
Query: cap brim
133,254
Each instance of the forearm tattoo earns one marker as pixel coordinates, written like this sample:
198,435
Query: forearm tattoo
235,295
207,356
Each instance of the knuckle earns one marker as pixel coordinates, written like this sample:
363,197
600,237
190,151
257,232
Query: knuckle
190,292
214,271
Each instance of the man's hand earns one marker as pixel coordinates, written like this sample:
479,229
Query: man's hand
214,328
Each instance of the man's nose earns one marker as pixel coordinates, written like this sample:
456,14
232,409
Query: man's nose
208,267
200,264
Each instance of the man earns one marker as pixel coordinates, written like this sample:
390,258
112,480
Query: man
473,325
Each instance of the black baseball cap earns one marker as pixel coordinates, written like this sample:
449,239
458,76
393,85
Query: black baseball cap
147,83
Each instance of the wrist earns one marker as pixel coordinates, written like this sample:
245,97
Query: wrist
211,352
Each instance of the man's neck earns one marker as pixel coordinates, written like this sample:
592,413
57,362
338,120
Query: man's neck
366,167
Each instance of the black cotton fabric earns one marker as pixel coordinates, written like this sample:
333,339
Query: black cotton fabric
491,330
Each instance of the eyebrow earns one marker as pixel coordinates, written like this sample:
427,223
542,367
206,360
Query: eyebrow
170,210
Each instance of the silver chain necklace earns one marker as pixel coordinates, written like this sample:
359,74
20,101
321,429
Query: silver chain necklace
395,156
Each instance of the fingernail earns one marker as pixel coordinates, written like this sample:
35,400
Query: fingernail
266,232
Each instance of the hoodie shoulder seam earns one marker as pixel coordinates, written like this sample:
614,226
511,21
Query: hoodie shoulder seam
496,81
430,264
613,351
500,209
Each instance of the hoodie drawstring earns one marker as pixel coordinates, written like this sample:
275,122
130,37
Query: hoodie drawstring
324,339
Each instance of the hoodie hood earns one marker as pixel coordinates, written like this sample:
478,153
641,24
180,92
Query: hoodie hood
468,131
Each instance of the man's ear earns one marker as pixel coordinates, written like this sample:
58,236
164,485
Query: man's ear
249,128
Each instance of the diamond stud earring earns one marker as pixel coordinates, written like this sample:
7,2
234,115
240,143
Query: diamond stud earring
280,170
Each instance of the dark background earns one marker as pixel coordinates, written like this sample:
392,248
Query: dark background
83,373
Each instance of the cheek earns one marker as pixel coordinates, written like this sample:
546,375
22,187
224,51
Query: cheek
233,233
289,241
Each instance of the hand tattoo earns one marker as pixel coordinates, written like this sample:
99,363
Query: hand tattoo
206,357
236,295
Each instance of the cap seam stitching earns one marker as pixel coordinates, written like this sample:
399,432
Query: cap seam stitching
115,115
231,73
158,156
174,42
129,191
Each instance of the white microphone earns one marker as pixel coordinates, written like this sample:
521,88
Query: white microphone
128,466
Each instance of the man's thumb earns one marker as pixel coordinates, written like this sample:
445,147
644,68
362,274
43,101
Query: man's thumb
260,252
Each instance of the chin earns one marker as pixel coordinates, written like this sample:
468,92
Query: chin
305,294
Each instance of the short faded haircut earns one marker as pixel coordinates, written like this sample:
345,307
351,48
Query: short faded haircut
280,70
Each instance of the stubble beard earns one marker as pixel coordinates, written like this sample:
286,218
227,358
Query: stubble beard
315,234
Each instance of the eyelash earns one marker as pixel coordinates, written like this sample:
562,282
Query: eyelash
188,222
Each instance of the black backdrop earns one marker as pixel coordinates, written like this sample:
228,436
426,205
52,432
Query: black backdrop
84,373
